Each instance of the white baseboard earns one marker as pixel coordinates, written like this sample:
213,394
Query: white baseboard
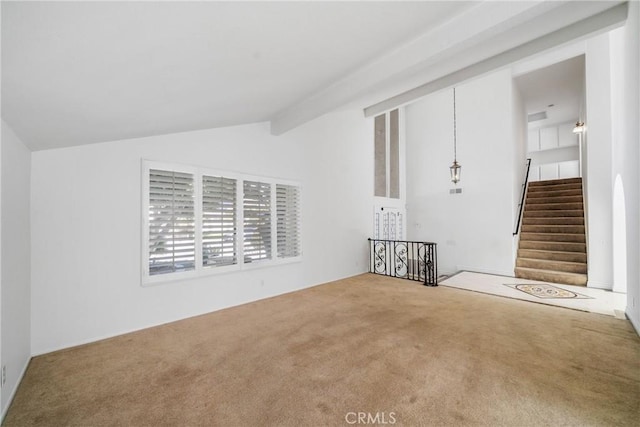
14,391
598,285
634,322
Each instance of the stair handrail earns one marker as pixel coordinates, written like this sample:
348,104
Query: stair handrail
524,192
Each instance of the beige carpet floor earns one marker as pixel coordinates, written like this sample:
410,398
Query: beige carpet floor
431,356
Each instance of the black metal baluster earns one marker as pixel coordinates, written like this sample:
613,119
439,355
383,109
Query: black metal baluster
386,259
419,258
416,260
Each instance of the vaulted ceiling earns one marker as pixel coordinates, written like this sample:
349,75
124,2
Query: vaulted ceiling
84,72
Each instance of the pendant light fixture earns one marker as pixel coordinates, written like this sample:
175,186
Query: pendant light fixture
455,168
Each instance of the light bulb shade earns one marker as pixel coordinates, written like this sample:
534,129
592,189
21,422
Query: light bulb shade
579,127
455,170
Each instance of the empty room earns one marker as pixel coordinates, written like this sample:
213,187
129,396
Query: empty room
320,213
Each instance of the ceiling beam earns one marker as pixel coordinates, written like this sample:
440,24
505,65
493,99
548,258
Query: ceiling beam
601,22
484,31
481,21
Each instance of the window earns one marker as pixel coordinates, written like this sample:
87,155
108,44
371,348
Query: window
257,221
386,143
218,221
380,147
171,242
198,221
288,217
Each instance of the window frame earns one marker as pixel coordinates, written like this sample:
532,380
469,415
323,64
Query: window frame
201,270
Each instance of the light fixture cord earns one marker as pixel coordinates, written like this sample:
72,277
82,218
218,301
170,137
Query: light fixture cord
455,151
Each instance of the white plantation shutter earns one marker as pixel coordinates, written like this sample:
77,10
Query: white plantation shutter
218,221
288,217
200,221
257,221
171,222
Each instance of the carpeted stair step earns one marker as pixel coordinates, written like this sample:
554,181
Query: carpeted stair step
553,255
552,265
553,246
551,276
553,213
560,220
535,189
553,237
555,193
554,199
552,228
553,206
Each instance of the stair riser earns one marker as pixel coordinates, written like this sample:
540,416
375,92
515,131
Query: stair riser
566,229
552,206
553,221
552,265
561,193
553,237
554,256
558,199
553,246
552,277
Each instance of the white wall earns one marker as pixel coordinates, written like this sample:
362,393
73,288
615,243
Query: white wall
15,290
473,229
519,127
2,409
338,191
86,223
598,144
625,110
554,152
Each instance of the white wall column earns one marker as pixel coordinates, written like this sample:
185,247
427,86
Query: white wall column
599,147
625,108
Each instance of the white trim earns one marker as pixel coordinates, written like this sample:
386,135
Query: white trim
240,222
12,395
598,285
634,322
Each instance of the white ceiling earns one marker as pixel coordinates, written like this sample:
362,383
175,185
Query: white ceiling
84,72
556,89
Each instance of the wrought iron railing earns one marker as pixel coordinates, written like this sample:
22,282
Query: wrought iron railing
524,193
404,259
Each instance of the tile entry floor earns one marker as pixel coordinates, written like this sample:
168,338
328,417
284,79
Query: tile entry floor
600,301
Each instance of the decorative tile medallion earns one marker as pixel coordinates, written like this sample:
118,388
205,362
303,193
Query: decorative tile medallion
546,291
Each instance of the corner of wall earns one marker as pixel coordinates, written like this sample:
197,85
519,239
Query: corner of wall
15,254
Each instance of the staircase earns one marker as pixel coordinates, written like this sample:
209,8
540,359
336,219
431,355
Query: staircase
552,241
